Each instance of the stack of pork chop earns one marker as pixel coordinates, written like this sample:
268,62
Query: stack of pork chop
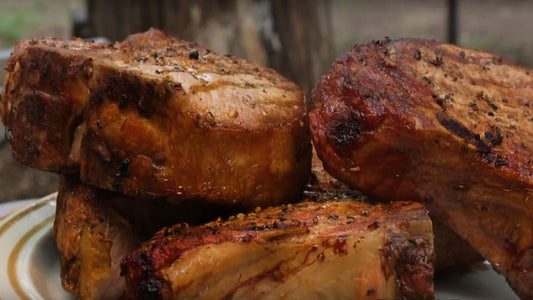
155,131
149,132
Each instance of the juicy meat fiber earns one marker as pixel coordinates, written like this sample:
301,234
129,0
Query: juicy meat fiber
449,127
311,250
155,116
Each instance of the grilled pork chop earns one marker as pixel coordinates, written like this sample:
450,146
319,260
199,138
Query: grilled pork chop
310,250
155,116
447,126
451,251
94,230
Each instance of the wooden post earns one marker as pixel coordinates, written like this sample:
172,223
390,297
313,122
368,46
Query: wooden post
452,21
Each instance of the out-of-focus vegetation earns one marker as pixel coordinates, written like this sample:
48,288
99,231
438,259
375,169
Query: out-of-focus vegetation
35,18
13,24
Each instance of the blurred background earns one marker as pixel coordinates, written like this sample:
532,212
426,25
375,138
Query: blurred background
300,39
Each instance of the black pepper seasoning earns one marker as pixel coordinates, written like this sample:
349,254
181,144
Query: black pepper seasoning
418,54
194,54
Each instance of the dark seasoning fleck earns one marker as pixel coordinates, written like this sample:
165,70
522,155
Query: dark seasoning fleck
495,137
500,161
333,217
418,54
123,169
437,62
123,101
194,54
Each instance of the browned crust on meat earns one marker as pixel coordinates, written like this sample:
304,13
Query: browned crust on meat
447,126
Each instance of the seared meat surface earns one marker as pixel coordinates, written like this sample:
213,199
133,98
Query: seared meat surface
311,250
450,249
95,229
446,126
155,116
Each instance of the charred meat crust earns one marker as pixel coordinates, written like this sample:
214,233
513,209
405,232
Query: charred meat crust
412,260
446,126
146,270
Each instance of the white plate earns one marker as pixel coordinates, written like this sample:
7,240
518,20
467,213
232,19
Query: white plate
28,256
30,263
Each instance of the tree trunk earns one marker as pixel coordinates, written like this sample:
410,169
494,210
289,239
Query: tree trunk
293,37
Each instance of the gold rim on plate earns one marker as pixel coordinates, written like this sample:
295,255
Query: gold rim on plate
13,219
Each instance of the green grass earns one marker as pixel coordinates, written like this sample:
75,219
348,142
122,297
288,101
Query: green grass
14,24
516,51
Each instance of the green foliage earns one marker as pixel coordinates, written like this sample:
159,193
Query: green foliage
513,49
15,23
